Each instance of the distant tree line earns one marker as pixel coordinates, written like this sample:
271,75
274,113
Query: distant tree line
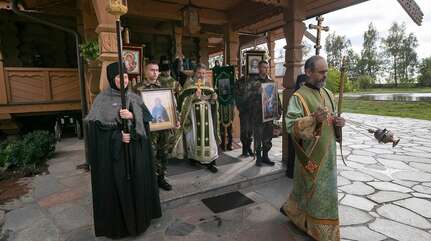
393,58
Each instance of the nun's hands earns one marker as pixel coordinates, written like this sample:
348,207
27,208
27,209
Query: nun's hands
126,137
126,114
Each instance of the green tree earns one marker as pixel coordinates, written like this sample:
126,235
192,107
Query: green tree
370,63
336,46
409,58
393,45
425,72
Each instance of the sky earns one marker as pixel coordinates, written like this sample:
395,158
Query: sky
353,22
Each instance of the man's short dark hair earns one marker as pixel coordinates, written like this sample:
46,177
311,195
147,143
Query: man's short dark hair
152,62
200,66
310,63
262,62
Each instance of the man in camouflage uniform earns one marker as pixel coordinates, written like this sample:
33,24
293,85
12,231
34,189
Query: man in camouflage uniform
262,131
242,88
166,80
161,140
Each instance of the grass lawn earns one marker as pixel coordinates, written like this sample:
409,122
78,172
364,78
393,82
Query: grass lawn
395,90
417,110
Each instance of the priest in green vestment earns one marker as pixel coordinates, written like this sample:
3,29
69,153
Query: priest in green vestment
198,117
313,204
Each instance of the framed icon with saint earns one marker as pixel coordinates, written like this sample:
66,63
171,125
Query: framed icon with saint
161,104
269,102
252,61
132,56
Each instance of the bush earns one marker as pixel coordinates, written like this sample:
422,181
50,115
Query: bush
333,81
365,81
31,151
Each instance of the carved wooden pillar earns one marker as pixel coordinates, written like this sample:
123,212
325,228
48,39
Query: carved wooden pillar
107,39
179,42
270,43
3,92
231,49
294,29
203,49
231,46
89,20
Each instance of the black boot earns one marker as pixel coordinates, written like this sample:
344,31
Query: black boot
249,151
244,151
212,167
163,184
258,159
266,160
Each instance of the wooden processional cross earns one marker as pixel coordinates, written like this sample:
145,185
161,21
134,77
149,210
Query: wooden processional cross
319,29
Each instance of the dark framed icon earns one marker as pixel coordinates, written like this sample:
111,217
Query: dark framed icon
252,61
161,104
133,60
269,102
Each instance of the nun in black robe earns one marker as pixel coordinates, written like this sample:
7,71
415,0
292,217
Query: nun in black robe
121,207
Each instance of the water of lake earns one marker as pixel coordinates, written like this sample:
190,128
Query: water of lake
391,96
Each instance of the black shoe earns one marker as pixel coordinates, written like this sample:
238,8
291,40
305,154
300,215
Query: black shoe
85,167
258,159
229,147
212,168
244,152
163,184
283,212
250,152
266,160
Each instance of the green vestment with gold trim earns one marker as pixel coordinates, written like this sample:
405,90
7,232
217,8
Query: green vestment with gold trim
313,203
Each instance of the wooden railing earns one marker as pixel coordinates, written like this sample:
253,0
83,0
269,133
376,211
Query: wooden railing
38,85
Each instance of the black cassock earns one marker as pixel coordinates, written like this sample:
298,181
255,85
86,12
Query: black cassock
121,207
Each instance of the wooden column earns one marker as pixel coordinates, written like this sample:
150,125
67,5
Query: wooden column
203,49
179,42
231,40
231,50
270,43
107,39
3,91
294,30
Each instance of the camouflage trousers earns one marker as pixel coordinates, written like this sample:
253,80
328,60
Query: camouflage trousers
262,135
162,144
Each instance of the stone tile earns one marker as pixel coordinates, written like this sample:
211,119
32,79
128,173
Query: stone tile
360,233
264,231
46,185
70,216
394,164
357,188
357,176
376,174
2,217
402,215
413,176
42,229
61,197
81,234
362,159
421,166
421,195
422,189
352,216
428,184
341,181
23,217
387,186
358,202
388,196
420,206
405,183
275,192
399,231
363,153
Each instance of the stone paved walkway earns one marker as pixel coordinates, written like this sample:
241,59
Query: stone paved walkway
384,194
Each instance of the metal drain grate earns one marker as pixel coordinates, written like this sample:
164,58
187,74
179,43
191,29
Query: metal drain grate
227,202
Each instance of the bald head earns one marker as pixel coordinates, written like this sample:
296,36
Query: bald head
316,69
